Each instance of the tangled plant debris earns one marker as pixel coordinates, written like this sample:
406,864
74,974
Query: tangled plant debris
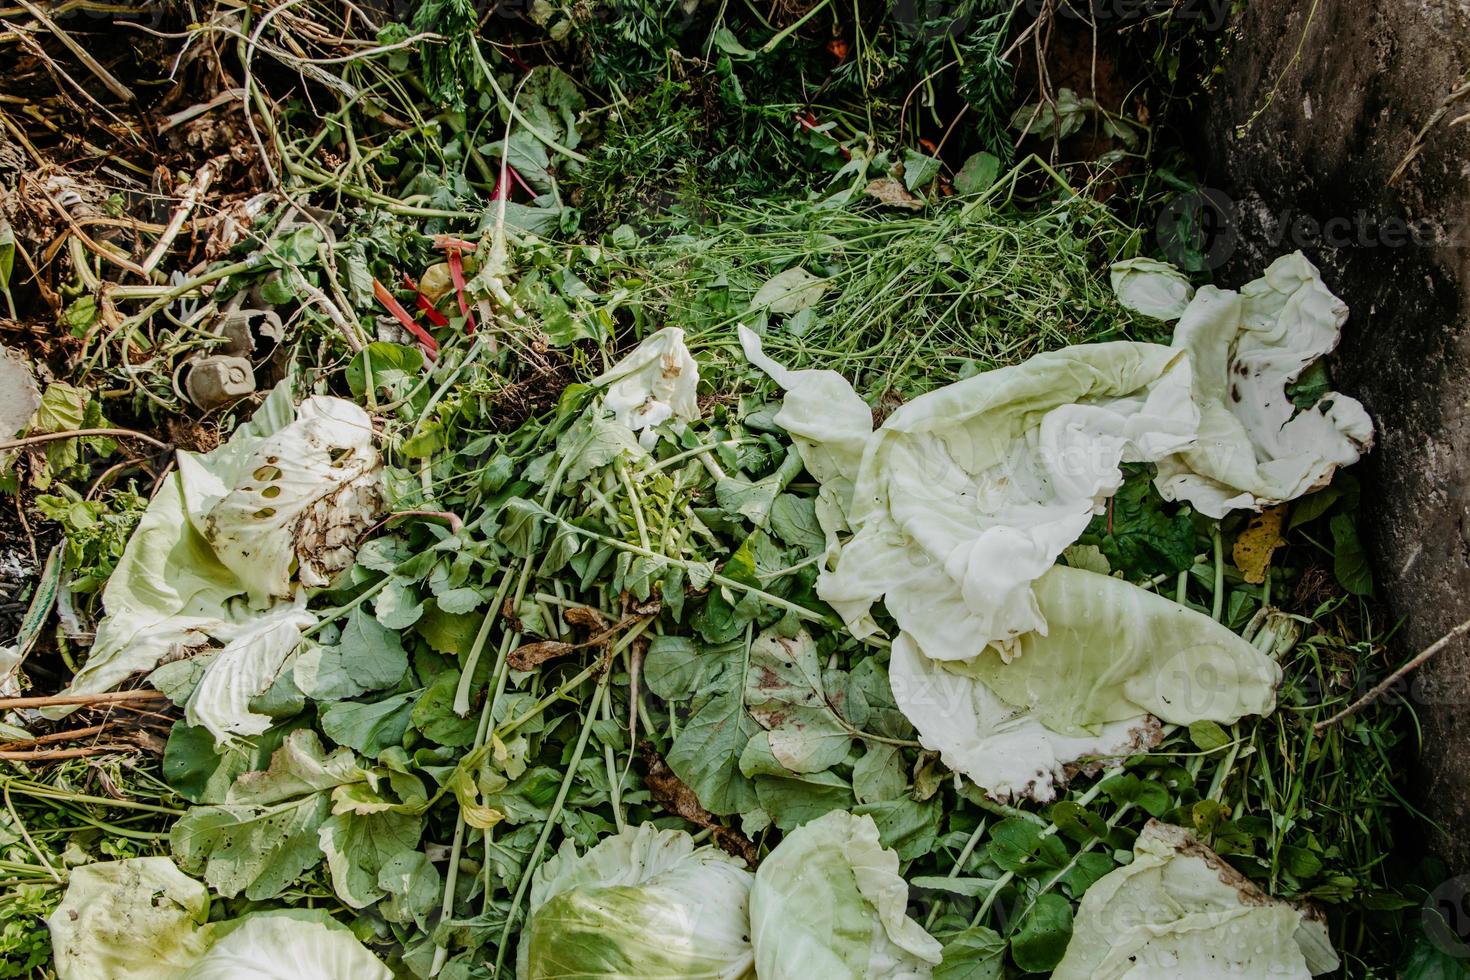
666,490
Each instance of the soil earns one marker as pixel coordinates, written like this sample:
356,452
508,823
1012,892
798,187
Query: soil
1340,127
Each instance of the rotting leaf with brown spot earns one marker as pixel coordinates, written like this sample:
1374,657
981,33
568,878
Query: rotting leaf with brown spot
670,792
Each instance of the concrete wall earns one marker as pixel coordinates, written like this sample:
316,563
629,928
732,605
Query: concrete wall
1348,115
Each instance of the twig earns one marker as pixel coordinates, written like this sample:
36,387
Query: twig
80,434
56,755
118,88
202,179
1388,682
121,261
58,699
54,737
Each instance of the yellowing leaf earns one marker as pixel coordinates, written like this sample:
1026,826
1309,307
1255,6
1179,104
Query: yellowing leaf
1258,542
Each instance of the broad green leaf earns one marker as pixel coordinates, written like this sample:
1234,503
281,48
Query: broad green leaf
366,657
433,713
395,370
1208,736
789,292
359,846
977,953
369,727
1044,934
795,799
706,755
785,694
879,775
918,169
265,835
906,825
202,773
977,173
254,850
1018,845
794,521
1349,557
413,886
398,605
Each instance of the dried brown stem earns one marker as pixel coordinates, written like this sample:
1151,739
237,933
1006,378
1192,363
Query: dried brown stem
1388,682
82,433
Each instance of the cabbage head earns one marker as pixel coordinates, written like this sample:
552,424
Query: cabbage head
829,902
645,903
144,919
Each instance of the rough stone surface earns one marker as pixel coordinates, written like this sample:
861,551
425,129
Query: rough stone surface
1315,113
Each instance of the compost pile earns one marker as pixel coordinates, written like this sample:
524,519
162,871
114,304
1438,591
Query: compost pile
667,490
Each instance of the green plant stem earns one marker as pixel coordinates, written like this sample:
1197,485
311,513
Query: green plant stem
534,861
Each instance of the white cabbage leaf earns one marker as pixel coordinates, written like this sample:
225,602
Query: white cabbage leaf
298,500
246,667
1116,651
201,565
1115,659
1255,448
144,919
1178,910
829,902
643,903
10,661
968,493
138,919
290,944
789,292
657,381
1003,749
1151,287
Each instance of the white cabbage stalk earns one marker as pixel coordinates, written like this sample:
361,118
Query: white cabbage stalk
968,493
144,919
1115,659
1178,910
1255,448
829,902
645,903
657,381
1151,287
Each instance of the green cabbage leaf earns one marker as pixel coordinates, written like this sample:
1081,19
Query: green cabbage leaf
829,902
643,903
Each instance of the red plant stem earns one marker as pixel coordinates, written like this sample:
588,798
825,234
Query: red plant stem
424,303
456,275
390,302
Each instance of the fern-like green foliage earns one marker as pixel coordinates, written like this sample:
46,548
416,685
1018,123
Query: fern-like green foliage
449,65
